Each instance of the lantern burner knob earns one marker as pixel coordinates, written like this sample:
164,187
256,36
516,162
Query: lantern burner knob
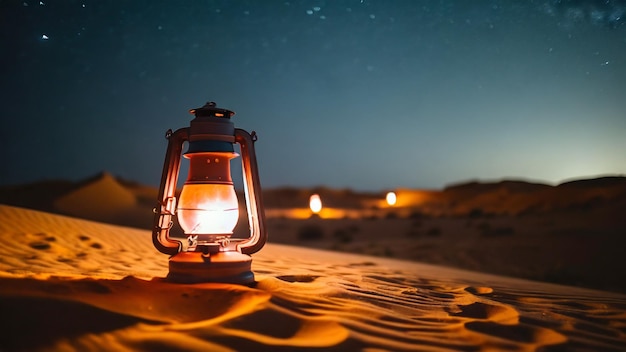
210,109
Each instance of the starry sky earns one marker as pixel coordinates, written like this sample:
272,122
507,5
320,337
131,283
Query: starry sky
360,94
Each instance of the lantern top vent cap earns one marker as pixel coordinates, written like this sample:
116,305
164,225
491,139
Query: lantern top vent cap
211,110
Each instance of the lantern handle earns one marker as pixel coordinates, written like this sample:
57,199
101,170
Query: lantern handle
252,190
166,206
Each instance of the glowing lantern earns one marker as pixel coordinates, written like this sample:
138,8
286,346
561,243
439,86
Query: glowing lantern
391,198
315,203
208,209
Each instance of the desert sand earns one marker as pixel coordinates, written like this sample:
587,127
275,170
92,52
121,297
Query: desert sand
573,233
77,285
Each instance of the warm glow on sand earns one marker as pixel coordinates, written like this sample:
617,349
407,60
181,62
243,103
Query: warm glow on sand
315,203
391,198
325,213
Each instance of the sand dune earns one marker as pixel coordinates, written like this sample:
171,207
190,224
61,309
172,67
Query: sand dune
508,197
101,199
76,285
505,227
104,192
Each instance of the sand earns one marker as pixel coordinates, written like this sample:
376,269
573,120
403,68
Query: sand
77,285
570,234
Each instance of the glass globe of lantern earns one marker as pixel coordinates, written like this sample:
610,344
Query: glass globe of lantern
208,205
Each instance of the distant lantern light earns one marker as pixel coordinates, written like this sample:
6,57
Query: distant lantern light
315,203
391,198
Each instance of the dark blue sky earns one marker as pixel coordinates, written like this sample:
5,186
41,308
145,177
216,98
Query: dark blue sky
361,94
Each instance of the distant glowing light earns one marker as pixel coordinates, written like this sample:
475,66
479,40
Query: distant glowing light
317,8
309,12
315,203
45,37
391,198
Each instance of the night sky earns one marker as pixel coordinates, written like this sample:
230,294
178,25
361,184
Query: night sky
362,94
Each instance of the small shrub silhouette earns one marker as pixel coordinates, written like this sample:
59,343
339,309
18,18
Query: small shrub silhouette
497,231
310,232
475,213
416,215
354,228
484,226
388,252
343,235
391,215
434,232
413,233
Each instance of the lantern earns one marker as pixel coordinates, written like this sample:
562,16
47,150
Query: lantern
391,198
207,209
315,203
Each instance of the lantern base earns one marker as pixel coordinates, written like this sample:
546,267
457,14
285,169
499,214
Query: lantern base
195,267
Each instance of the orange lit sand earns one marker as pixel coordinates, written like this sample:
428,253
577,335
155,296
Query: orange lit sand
71,284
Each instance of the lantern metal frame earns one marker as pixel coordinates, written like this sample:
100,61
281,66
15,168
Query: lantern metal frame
229,261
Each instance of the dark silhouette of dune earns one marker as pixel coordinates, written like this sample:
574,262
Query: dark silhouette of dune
511,186
103,192
600,182
39,195
101,197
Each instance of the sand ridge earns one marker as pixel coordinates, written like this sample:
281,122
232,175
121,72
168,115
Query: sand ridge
79,285
102,198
